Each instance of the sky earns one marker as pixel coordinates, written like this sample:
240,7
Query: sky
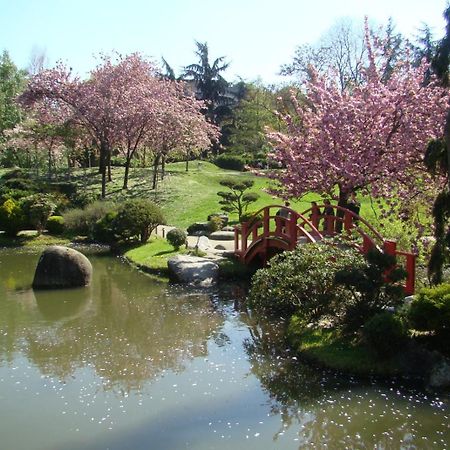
255,36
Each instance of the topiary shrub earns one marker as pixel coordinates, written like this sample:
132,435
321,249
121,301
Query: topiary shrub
430,311
384,334
83,199
176,238
230,162
23,184
137,218
302,282
55,225
12,218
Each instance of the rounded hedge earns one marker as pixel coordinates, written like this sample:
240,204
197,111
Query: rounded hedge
384,334
55,225
176,238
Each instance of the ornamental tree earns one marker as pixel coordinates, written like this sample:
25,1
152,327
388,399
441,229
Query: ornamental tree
120,105
371,137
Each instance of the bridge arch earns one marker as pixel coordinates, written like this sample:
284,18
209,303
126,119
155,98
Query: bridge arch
270,233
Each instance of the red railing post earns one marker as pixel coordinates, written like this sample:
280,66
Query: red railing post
244,237
390,247
411,273
367,244
236,239
348,221
329,220
266,225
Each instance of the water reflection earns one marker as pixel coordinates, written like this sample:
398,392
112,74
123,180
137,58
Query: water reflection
339,411
125,326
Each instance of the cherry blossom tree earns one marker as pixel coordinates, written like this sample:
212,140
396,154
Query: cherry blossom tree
371,137
121,105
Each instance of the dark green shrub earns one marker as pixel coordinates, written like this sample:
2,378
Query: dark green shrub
12,219
83,199
198,227
23,184
83,221
14,173
15,194
137,218
230,162
104,228
37,209
302,282
176,238
385,334
55,225
370,291
63,187
430,311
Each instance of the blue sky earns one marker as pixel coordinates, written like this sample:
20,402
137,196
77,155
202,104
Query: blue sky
256,36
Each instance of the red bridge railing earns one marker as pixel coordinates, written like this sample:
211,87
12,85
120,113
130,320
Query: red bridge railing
271,231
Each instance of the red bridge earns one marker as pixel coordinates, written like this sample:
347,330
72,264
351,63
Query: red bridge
268,234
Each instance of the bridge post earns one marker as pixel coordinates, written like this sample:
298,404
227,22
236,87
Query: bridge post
348,221
390,247
411,271
266,226
244,237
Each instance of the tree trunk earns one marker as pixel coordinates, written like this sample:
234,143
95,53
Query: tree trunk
187,163
447,144
163,166
127,170
155,170
102,166
109,166
343,203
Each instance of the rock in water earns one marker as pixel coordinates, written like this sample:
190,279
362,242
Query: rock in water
194,270
62,267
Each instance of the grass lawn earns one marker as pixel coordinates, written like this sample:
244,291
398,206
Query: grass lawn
327,348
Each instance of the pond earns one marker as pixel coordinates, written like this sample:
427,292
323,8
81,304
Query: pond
129,363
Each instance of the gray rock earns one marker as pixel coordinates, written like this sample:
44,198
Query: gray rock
192,269
62,267
222,236
219,247
203,243
228,228
440,375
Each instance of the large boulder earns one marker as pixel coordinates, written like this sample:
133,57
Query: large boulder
62,267
192,269
222,236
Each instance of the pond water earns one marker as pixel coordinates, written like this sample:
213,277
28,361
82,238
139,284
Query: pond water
129,363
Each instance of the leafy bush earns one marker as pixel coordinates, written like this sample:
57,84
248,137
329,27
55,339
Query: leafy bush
371,291
55,225
38,208
63,187
104,228
83,199
215,223
138,218
12,219
83,221
15,173
230,162
176,238
23,184
302,281
385,334
430,311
